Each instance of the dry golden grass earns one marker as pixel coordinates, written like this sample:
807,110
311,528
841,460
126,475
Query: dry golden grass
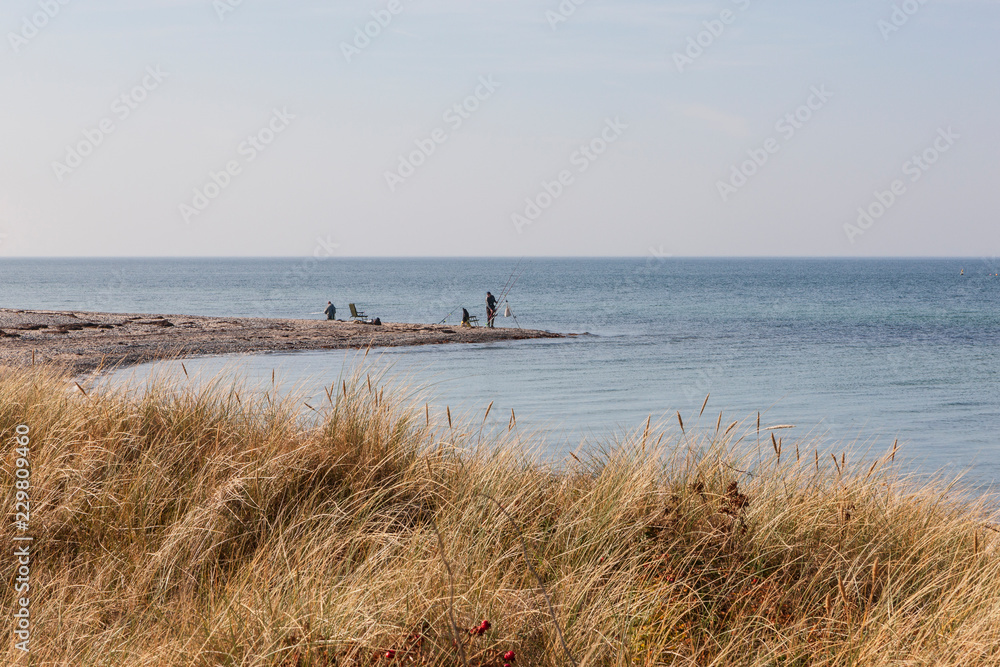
211,526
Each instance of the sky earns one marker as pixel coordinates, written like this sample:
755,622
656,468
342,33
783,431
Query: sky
499,128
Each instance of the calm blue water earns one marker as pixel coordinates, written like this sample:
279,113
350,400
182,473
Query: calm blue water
868,350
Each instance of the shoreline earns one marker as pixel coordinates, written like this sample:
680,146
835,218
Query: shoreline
87,341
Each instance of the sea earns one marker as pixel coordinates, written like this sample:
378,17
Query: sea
855,353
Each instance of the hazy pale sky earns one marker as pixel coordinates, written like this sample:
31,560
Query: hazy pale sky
499,127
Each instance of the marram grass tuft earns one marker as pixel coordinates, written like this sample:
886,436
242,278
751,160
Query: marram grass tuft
217,526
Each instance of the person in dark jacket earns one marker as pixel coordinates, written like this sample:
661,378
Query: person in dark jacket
491,309
331,311
466,322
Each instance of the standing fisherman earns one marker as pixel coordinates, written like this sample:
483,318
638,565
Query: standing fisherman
491,309
331,311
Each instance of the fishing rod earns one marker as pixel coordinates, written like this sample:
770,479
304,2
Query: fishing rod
511,286
512,280
507,285
507,289
503,293
449,315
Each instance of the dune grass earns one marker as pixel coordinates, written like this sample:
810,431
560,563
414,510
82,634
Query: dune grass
217,526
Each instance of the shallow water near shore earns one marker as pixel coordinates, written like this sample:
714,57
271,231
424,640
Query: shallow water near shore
857,350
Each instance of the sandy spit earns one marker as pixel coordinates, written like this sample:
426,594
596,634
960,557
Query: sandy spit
85,341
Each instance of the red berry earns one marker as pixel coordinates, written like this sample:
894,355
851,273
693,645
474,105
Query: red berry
390,654
485,625
509,656
506,664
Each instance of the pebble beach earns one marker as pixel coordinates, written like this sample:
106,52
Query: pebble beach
85,341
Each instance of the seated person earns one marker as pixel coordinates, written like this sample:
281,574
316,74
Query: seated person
465,318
